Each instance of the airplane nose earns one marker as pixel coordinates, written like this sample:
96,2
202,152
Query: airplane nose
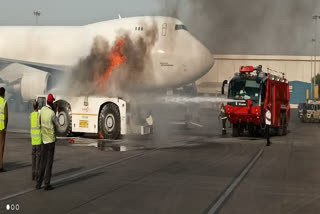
201,59
207,58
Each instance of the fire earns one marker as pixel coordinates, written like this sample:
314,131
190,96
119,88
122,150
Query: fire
116,58
100,135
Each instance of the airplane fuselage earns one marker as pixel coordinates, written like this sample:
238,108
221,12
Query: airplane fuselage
174,57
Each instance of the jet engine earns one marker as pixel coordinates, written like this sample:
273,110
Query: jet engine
34,83
26,81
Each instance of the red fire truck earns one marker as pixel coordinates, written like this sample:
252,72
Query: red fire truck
249,93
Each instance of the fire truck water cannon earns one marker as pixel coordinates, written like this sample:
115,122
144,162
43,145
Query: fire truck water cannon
252,92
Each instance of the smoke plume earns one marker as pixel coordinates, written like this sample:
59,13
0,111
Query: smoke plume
115,68
249,26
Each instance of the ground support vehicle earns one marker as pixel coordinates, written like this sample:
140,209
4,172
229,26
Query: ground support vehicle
109,117
311,111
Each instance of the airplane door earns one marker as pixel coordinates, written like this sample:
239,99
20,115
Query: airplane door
164,29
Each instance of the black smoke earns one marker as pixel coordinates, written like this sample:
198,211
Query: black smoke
126,77
249,26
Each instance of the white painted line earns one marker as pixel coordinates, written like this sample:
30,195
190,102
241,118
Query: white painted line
82,139
177,123
16,194
19,131
107,140
94,169
76,175
196,124
217,205
65,138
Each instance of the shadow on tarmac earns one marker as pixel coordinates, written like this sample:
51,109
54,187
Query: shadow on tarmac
67,171
75,180
10,166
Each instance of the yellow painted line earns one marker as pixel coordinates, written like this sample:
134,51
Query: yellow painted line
83,114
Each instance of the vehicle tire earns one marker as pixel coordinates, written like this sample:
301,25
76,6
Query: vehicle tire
241,130
235,130
285,126
64,120
251,130
258,131
109,121
282,130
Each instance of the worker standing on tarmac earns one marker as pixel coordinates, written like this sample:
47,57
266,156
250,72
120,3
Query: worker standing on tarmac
48,124
268,124
3,125
35,140
223,118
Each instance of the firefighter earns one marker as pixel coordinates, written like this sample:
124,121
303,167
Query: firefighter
223,118
3,125
35,140
268,124
48,122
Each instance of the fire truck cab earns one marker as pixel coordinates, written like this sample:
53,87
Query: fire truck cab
251,90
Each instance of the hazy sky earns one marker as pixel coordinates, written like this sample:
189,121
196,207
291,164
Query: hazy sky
72,12
225,26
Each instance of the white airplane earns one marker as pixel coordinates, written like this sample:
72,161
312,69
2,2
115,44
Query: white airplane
31,56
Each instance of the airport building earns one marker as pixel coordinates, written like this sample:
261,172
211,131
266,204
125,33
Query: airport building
297,69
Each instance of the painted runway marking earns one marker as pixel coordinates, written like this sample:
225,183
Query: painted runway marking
89,139
76,175
196,124
214,208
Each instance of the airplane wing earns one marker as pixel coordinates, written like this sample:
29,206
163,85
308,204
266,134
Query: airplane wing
44,67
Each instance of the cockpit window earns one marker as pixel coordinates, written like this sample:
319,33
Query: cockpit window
181,27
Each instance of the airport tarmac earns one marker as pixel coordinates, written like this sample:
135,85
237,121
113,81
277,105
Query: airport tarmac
180,170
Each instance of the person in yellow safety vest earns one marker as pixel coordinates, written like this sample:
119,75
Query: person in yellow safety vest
48,122
3,125
35,140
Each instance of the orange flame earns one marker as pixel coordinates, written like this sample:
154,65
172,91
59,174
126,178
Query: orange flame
116,58
100,135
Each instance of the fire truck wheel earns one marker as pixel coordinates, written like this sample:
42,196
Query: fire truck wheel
283,125
258,131
251,130
235,130
64,120
109,121
241,131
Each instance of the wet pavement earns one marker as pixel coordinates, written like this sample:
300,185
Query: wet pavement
177,170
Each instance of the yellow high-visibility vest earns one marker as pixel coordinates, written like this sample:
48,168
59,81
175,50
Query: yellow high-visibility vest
47,127
35,128
2,116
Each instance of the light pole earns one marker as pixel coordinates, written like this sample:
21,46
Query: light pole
313,65
37,14
315,18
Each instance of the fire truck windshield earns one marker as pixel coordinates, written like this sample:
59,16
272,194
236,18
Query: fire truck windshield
244,89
